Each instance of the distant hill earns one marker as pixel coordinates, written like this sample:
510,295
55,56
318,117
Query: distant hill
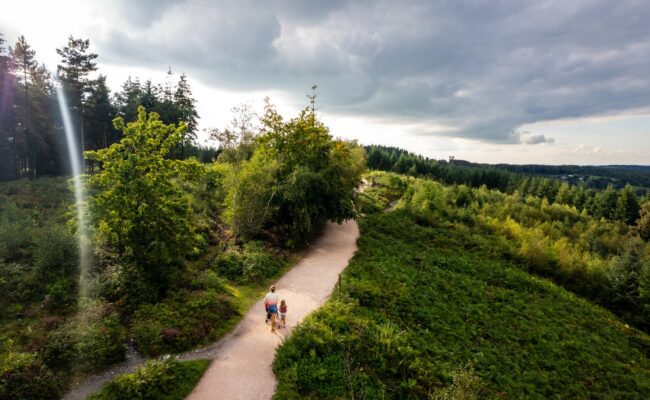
597,177
639,168
501,175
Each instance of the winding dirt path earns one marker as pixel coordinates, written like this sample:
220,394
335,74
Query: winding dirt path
242,359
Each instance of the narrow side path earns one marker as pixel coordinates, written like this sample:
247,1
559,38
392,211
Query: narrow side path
242,359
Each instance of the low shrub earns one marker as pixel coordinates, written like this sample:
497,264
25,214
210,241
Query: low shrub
24,376
258,262
160,380
126,286
252,263
185,319
88,342
419,300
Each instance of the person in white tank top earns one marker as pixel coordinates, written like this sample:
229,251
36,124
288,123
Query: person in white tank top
271,304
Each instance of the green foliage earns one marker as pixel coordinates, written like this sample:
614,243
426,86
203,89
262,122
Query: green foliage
627,206
185,319
252,263
250,192
422,298
465,386
595,189
160,380
24,376
643,223
381,190
126,286
93,339
136,203
628,278
37,251
316,176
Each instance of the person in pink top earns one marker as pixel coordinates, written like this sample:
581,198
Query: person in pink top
271,305
283,313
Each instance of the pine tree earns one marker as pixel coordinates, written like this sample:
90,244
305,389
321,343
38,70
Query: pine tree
23,64
627,206
128,99
8,160
643,223
185,106
564,194
606,203
150,97
100,115
47,140
76,64
166,107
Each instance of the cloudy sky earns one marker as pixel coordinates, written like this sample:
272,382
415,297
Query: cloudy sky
484,80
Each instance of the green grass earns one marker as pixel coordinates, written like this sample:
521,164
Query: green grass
160,380
425,302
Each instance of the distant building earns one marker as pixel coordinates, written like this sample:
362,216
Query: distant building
451,158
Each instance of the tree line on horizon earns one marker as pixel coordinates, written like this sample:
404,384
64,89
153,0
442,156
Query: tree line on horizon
623,204
32,140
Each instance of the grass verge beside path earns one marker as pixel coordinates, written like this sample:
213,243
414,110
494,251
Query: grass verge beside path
431,311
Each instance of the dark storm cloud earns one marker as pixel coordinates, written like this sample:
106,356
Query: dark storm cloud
482,67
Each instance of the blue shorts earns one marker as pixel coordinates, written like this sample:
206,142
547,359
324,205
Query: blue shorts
273,309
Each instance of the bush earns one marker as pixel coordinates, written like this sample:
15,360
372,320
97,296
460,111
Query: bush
24,376
230,264
465,386
160,380
252,263
126,286
88,342
258,263
185,319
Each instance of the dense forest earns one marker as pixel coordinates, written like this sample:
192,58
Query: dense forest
464,293
496,175
621,204
31,132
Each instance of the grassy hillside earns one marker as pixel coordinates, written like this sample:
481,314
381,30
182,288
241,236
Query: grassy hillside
436,305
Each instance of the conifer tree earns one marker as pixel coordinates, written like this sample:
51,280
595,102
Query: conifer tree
23,63
606,203
100,115
128,100
76,65
627,206
564,194
8,160
643,223
185,107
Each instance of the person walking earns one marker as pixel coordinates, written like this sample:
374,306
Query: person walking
283,313
271,305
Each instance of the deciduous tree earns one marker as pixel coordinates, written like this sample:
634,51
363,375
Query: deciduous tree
136,203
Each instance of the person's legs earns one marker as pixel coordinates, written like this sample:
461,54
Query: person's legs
273,322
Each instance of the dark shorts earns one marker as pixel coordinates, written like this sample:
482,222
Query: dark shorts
273,309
